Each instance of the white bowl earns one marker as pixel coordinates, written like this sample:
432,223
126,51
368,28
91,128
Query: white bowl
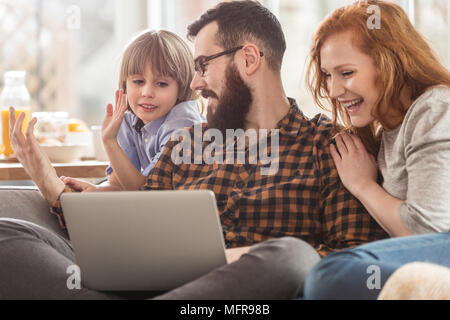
64,153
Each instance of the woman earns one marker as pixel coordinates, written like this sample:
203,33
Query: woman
393,96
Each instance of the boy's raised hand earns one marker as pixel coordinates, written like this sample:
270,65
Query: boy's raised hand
114,117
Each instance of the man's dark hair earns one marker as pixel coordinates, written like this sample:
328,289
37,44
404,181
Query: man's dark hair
241,21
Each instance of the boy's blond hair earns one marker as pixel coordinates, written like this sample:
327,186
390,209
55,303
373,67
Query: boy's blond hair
168,56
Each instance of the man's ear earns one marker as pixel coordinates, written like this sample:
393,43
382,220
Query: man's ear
252,58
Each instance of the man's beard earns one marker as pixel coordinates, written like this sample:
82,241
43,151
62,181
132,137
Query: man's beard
232,108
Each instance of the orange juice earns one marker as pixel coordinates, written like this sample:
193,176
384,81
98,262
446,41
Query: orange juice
6,145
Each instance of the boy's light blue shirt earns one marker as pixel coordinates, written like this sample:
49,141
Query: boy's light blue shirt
144,144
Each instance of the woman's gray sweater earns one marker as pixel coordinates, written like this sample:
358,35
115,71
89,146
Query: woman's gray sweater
414,160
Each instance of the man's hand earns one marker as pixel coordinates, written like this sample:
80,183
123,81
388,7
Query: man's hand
33,159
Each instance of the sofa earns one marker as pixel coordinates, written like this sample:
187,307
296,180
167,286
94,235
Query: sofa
27,203
415,281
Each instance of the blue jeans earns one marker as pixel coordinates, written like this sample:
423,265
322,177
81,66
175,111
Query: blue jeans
361,272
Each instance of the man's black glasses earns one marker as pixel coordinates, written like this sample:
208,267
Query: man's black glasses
202,61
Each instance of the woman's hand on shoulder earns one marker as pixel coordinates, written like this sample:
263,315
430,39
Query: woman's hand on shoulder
356,167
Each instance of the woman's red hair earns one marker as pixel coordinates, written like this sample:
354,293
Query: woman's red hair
402,57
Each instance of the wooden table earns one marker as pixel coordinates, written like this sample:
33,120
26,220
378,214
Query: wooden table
13,171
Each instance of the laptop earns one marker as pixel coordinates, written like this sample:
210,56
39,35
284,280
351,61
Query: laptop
144,240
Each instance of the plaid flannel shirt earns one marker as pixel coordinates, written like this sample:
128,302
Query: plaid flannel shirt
304,198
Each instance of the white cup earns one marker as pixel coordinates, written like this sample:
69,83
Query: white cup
99,149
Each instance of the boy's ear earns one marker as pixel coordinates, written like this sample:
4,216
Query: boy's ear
252,58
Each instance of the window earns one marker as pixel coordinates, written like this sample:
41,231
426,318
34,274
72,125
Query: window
300,18
432,18
67,48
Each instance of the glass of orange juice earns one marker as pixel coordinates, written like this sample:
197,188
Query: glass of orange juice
6,148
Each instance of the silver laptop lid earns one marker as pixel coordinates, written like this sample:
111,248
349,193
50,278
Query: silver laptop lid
144,240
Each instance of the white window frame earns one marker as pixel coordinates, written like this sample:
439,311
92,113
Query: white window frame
131,17
274,6
410,8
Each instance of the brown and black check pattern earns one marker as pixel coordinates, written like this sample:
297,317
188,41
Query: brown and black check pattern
304,198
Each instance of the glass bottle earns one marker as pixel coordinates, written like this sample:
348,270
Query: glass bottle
14,94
